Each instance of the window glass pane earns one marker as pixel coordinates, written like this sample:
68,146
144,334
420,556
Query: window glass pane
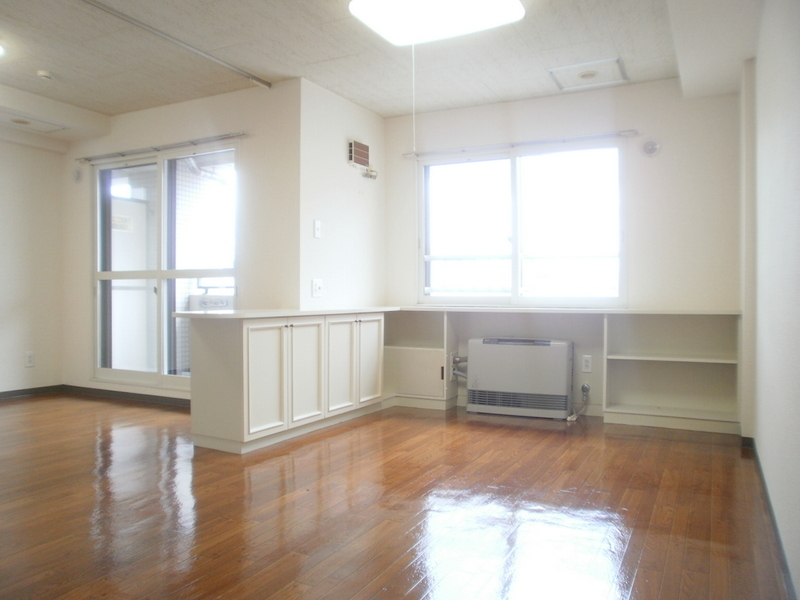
203,293
569,223
129,324
129,218
189,204
469,218
179,291
571,277
202,211
470,277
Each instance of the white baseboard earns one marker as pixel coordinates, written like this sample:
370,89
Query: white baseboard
235,447
419,403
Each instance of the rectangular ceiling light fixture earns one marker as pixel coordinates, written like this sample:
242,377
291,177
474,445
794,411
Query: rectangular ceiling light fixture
406,22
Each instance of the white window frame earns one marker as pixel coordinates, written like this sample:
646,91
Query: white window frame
157,379
515,298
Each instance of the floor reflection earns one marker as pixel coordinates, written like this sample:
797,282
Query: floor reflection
142,483
110,500
483,546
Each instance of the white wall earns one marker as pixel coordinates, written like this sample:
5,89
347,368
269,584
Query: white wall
349,257
681,207
747,332
778,264
30,265
292,168
269,186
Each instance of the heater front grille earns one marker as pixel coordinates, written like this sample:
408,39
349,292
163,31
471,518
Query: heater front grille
518,400
520,376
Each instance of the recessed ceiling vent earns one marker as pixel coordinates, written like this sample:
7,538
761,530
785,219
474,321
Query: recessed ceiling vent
10,119
358,154
599,73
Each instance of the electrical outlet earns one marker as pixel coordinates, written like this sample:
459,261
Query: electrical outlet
29,362
586,367
316,288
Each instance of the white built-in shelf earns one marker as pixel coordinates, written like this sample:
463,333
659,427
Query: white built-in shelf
420,330
685,359
729,415
668,367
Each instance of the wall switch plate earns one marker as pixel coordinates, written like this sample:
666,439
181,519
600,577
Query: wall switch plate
316,288
29,362
586,366
317,229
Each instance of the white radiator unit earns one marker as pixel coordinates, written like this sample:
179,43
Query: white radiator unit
525,377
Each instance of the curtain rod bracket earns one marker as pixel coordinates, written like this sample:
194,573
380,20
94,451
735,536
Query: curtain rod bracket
197,142
495,147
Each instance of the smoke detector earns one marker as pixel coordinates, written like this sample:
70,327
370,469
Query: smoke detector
651,147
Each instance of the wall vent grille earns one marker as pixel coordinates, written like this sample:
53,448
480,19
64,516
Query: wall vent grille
358,154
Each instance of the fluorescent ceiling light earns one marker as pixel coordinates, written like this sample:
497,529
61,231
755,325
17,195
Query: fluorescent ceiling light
2,51
405,22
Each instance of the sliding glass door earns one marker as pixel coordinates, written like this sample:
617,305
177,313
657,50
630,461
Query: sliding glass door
166,242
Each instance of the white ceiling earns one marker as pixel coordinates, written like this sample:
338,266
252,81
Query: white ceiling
109,66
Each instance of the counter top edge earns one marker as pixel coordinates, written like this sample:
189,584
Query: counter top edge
279,312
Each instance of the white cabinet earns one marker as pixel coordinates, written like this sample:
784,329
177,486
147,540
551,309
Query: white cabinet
284,377
306,369
355,361
419,347
672,370
257,380
265,377
370,358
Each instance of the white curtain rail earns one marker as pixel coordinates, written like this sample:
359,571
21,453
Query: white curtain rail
157,32
126,153
495,147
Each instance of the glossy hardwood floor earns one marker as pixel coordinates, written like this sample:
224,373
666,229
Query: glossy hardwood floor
107,499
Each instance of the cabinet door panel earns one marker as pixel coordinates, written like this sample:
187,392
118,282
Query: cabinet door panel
341,365
266,378
415,372
306,370
370,357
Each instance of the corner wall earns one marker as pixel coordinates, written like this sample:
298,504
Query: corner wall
350,255
30,265
680,207
292,169
268,254
778,266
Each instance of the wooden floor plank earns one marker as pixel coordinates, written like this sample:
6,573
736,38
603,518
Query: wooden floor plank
101,498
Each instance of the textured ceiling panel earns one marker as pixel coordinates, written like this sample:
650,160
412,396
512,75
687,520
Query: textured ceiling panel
107,65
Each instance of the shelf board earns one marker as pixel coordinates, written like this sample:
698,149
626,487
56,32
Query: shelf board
683,359
681,413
